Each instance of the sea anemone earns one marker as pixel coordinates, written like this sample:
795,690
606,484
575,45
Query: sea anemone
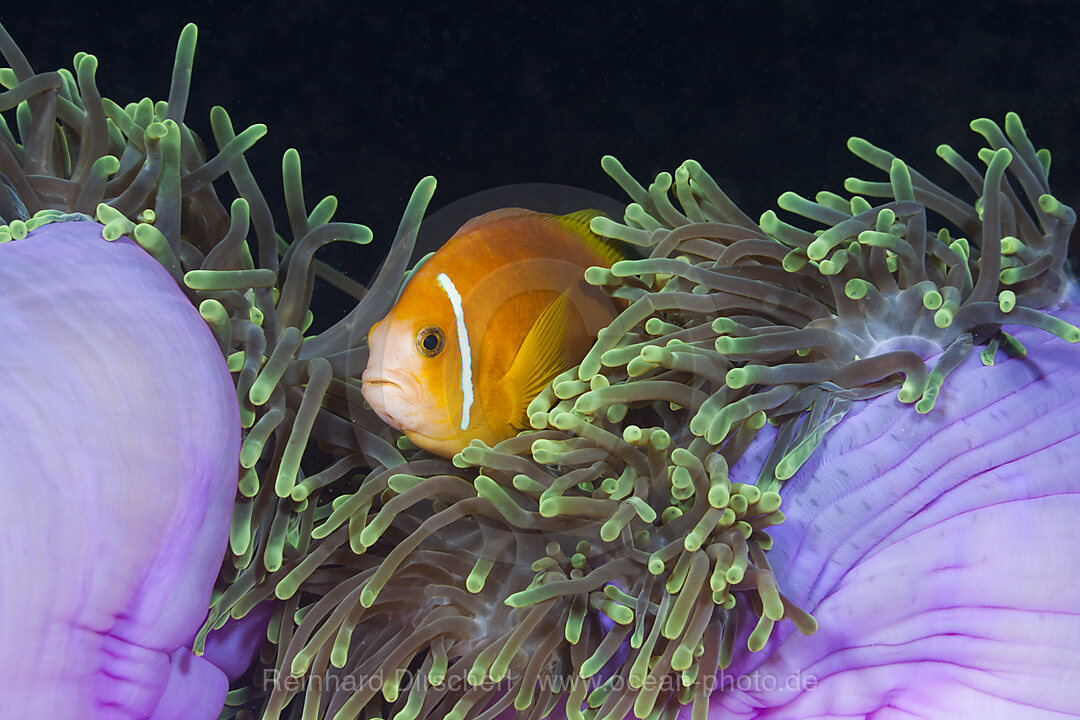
616,560
121,423
629,554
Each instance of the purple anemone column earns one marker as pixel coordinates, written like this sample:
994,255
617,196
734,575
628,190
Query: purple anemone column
119,436
939,553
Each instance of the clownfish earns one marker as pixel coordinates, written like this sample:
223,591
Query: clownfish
485,324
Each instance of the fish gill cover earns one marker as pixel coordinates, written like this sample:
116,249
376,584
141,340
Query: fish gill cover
604,561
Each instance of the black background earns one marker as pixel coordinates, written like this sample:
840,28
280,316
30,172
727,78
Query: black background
764,95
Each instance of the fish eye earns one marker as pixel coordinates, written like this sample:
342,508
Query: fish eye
429,341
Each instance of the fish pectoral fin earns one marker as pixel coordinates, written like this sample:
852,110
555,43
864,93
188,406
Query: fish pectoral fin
540,358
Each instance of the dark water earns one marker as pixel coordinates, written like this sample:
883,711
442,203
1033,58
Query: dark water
763,94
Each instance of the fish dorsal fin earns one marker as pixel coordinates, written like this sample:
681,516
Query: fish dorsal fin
507,213
540,358
578,224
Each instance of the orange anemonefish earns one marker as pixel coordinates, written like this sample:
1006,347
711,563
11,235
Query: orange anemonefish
485,324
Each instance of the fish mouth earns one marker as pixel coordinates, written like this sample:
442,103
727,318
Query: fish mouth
384,389
392,378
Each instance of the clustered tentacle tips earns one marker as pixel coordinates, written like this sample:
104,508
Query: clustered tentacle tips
805,319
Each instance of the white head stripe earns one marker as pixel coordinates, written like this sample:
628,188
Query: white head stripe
463,344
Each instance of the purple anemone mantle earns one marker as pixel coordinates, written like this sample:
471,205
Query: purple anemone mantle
939,554
119,436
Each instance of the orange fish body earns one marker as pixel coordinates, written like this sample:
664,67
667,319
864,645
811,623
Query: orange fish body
484,325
